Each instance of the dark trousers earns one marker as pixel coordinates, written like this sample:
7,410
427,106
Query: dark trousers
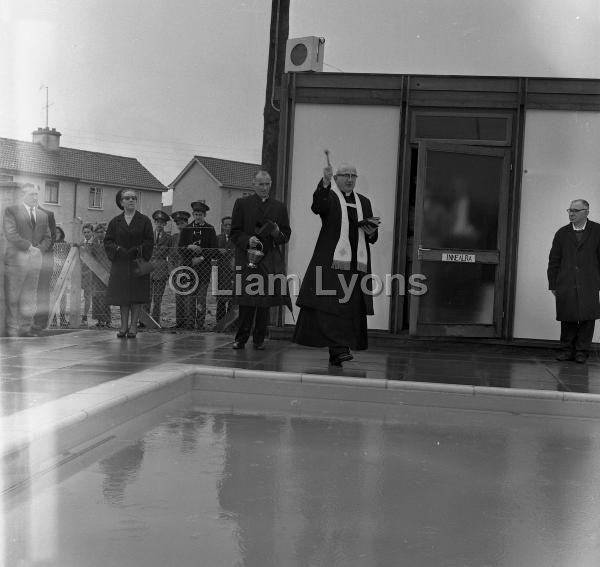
100,310
180,310
195,307
247,315
576,336
158,290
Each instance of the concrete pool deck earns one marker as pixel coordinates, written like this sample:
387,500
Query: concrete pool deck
62,390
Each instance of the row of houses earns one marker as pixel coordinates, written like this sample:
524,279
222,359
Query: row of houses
80,184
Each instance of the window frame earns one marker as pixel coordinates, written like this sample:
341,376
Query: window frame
98,192
52,184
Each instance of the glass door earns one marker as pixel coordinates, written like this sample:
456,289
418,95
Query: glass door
459,240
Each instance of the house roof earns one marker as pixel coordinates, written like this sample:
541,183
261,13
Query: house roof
93,167
227,172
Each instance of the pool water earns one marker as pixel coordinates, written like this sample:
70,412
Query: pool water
213,487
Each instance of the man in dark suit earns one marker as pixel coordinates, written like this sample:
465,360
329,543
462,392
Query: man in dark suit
200,241
574,279
40,321
160,255
259,222
27,235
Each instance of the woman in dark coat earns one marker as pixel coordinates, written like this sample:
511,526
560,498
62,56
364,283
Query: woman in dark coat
128,236
333,315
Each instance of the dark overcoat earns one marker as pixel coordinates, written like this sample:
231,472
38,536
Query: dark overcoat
574,273
205,237
122,244
250,214
327,206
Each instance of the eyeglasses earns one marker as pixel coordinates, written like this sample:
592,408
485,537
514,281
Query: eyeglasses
575,210
351,175
129,198
268,184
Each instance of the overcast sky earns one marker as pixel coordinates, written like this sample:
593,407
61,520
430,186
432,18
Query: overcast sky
163,80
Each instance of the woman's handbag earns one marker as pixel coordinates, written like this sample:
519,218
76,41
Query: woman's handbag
141,267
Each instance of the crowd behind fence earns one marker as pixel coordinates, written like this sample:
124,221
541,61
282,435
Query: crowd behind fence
188,291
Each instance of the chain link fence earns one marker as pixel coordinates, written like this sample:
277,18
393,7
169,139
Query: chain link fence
189,290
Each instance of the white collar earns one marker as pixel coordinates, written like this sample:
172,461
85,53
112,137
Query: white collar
579,229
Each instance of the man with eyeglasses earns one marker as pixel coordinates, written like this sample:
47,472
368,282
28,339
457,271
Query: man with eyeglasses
574,279
335,296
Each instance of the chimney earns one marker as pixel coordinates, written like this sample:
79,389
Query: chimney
50,139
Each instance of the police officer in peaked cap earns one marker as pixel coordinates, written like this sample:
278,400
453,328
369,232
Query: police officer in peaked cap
198,243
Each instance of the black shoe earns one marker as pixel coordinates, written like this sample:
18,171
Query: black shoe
238,345
337,359
563,356
259,346
581,358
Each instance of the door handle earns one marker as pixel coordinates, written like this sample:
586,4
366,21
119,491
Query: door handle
419,255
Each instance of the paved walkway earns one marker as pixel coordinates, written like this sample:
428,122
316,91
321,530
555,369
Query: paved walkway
37,370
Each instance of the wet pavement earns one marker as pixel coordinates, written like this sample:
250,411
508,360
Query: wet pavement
37,370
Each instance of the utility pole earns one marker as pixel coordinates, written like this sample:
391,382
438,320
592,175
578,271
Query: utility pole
280,28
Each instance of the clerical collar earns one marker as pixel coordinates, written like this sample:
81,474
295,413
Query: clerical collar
580,229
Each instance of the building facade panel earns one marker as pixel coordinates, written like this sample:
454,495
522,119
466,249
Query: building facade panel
367,137
560,164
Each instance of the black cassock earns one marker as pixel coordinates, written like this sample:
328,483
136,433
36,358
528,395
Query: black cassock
249,218
324,319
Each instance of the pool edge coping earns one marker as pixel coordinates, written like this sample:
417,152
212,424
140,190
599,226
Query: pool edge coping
111,403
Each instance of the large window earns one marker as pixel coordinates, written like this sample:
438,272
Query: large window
51,192
96,195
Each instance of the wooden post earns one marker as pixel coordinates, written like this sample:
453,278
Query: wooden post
280,16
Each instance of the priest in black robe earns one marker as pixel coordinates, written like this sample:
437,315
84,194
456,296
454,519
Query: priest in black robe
336,293
259,222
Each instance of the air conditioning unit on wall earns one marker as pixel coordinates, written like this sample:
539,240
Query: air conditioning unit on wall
304,54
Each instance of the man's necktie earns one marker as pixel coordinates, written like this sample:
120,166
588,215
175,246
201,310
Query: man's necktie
32,217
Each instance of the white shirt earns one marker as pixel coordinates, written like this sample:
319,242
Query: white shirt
30,210
579,229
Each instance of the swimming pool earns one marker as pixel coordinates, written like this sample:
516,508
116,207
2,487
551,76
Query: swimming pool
250,480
